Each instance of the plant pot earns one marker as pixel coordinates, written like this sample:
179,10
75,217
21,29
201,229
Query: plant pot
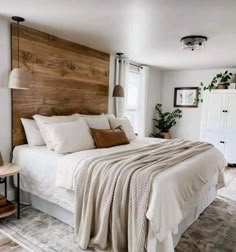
221,86
166,135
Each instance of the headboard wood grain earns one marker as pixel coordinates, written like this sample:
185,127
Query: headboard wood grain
67,78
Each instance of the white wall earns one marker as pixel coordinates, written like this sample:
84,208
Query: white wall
188,127
154,96
5,95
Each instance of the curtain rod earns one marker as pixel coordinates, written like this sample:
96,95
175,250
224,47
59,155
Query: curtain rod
133,64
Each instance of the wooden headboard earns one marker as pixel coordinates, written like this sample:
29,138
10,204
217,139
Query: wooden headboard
67,78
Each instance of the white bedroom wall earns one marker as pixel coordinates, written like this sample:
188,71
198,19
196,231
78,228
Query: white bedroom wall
154,96
188,127
5,94
5,97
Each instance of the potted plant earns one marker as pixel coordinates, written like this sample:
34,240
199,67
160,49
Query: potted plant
220,81
165,121
224,80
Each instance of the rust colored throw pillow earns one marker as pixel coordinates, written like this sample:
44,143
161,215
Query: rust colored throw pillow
108,138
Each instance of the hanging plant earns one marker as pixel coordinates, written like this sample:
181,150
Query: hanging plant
220,81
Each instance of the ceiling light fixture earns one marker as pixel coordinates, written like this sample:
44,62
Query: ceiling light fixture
19,78
193,42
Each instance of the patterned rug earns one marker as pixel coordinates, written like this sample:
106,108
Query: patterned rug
9,244
214,231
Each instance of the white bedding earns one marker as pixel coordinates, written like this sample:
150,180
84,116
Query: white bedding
38,176
171,190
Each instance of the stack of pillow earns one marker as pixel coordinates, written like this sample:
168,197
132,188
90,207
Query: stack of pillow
68,134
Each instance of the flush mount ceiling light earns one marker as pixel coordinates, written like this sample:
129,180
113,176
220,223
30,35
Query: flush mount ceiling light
193,42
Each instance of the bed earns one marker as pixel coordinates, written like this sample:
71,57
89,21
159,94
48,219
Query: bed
172,208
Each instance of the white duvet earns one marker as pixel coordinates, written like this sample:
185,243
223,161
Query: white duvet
171,190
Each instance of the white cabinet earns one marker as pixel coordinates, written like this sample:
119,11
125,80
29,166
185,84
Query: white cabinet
230,115
218,125
230,147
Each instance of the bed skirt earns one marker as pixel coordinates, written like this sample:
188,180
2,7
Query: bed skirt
193,209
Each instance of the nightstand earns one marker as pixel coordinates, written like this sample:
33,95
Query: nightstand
7,207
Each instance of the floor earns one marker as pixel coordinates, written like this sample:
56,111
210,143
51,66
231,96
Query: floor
214,231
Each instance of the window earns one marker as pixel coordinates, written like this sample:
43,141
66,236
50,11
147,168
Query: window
135,99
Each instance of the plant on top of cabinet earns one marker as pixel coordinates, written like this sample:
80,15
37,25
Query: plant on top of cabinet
220,81
165,121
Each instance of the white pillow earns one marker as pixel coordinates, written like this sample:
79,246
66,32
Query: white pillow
33,135
98,122
69,137
42,120
126,125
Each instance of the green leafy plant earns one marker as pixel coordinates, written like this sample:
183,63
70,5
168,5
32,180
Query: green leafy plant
165,120
221,78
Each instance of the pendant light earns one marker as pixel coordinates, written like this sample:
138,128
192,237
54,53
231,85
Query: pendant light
19,78
118,89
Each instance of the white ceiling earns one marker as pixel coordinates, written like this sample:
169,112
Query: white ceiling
146,31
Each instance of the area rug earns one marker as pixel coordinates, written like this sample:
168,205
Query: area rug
214,231
230,190
8,243
40,231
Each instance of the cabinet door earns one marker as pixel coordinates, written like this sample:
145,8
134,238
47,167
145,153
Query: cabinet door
230,115
230,147
215,138
214,116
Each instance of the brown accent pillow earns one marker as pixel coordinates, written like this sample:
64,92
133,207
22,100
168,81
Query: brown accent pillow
108,138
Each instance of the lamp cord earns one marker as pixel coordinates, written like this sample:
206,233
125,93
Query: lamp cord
18,35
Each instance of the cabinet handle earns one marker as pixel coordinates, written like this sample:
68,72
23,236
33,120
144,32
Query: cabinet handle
225,111
222,142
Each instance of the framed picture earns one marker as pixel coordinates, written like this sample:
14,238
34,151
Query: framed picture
186,97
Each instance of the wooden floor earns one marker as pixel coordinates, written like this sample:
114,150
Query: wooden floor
7,245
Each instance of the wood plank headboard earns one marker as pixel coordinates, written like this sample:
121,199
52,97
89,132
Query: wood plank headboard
67,78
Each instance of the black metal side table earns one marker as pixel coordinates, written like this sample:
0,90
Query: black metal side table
8,170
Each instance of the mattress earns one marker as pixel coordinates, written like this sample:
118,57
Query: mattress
40,169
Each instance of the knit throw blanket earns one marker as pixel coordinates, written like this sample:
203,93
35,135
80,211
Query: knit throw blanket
112,194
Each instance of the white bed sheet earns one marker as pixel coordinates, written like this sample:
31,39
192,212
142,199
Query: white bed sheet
38,175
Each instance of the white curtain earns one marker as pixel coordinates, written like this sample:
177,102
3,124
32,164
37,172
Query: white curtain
122,72
144,100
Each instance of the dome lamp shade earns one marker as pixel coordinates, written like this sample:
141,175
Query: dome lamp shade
118,91
19,79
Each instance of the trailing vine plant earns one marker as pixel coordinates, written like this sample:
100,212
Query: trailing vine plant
221,78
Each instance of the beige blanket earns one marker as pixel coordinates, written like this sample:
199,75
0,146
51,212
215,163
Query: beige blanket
112,194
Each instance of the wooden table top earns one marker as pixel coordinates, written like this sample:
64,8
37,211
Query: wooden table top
9,169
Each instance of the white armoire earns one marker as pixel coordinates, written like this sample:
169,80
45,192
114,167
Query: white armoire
218,124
